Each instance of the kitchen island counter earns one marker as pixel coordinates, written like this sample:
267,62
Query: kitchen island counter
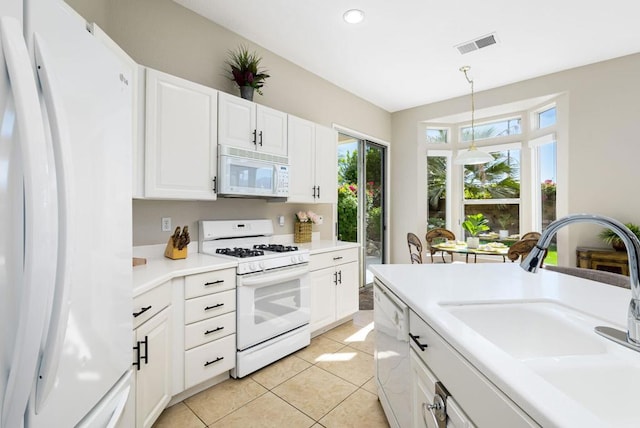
436,293
324,246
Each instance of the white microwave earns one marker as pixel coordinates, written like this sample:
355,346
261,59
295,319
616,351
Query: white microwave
252,174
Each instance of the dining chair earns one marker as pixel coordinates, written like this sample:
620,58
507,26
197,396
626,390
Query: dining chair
439,233
521,248
609,278
528,235
415,248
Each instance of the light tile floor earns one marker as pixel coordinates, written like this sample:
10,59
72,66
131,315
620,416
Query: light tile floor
327,384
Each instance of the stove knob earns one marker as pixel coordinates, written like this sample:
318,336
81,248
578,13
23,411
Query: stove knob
252,266
261,264
293,259
300,258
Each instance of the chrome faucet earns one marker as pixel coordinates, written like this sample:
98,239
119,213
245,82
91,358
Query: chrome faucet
534,260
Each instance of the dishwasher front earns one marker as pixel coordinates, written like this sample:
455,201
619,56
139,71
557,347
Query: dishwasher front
393,381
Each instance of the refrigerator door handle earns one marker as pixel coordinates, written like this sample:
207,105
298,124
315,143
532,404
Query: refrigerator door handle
40,213
61,299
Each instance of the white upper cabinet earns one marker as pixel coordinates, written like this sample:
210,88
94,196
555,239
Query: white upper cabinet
245,124
313,162
181,138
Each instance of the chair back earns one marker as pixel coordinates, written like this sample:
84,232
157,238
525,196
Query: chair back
594,275
437,233
522,248
415,248
529,235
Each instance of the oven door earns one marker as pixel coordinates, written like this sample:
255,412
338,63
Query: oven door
271,303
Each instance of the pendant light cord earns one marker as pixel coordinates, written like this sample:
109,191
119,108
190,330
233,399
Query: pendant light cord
465,69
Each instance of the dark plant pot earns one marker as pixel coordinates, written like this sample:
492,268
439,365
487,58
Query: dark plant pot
246,92
618,245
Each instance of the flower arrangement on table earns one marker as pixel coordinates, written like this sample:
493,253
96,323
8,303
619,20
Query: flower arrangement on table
302,226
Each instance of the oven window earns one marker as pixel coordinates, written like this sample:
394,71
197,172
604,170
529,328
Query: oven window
275,301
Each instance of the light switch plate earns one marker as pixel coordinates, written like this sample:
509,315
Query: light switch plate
166,224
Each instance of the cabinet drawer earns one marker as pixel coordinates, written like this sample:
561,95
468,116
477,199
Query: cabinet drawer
150,303
333,258
209,282
464,382
202,332
209,306
207,361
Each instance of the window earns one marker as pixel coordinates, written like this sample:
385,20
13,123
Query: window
437,187
495,129
547,117
493,189
437,135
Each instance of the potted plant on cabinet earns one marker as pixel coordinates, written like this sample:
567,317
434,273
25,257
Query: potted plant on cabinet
474,224
609,237
246,71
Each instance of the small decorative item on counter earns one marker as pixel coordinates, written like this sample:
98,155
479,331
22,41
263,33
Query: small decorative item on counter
177,245
245,71
302,226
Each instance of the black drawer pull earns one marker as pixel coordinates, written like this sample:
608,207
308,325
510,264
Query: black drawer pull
214,306
208,363
220,281
338,258
142,311
422,346
213,331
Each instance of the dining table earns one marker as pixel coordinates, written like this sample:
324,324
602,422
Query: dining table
459,247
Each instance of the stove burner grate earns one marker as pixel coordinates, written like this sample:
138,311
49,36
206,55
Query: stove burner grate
277,248
240,252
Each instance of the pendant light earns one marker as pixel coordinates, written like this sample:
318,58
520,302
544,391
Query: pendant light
472,156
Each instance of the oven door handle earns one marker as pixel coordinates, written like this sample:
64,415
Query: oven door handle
264,280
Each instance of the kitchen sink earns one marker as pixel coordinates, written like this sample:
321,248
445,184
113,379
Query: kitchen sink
527,330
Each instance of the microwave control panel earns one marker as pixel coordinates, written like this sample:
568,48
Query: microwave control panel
282,180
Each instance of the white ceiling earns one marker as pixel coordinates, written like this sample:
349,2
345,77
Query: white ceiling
404,54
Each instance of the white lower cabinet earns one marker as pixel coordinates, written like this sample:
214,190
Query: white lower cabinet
152,354
334,286
210,325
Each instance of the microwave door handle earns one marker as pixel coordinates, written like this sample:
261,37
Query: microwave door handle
265,280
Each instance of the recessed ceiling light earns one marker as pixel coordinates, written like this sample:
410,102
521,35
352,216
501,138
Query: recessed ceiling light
353,16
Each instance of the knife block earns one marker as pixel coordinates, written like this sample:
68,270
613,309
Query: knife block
173,253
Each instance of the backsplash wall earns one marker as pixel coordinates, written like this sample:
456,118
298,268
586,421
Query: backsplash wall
147,216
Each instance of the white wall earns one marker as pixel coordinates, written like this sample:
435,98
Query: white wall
598,143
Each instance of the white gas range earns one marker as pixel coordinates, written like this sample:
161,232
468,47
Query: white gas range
272,294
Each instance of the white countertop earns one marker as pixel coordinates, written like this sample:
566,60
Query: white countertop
425,287
160,269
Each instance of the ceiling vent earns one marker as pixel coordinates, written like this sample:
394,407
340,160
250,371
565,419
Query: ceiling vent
479,43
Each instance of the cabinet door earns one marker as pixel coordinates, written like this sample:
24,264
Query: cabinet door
423,385
301,159
347,300
153,379
236,122
326,158
272,130
181,138
323,298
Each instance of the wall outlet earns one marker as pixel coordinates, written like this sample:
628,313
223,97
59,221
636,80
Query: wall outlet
166,224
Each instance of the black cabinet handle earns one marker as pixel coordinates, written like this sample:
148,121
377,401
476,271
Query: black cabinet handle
142,311
214,330
215,184
314,192
214,306
340,276
335,278
136,348
254,136
337,258
318,192
220,281
208,363
422,346
260,138
138,363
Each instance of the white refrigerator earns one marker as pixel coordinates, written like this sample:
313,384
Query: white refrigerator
65,222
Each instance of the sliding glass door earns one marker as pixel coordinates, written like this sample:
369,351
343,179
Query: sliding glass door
361,197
